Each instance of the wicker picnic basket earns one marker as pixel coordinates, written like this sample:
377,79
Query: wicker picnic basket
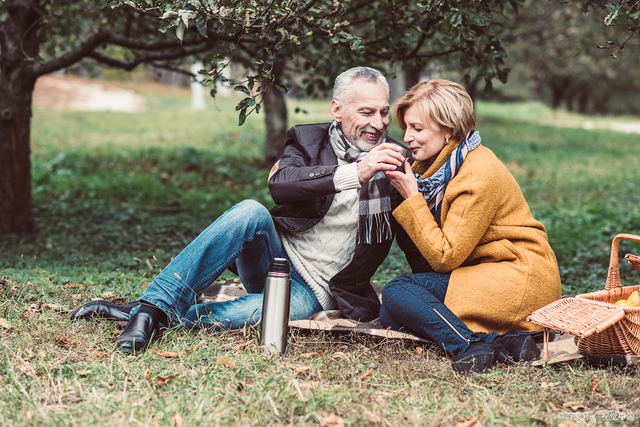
599,326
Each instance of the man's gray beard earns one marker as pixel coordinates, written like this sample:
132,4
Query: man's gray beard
365,146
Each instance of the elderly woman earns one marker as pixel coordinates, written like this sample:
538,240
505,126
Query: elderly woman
481,264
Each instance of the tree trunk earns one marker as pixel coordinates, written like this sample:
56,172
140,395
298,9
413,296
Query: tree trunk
18,42
275,110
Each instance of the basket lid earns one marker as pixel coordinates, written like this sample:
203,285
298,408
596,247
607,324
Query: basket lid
579,317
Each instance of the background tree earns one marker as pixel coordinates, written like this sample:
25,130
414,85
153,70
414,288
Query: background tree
38,37
555,58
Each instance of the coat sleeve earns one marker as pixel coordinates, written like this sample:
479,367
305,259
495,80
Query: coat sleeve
305,170
472,205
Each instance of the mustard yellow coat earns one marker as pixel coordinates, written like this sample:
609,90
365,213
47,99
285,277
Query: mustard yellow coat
502,266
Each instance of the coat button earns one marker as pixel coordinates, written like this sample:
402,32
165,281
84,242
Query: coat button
311,175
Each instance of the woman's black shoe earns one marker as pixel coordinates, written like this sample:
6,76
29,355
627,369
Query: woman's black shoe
104,309
480,356
520,345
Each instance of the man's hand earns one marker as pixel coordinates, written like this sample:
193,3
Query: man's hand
385,157
405,182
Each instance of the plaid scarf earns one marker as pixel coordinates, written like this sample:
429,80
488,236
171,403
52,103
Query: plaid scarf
433,187
374,225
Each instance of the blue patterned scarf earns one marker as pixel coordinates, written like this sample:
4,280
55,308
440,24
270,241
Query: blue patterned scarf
433,187
374,210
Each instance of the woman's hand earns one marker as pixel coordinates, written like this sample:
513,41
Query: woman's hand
404,182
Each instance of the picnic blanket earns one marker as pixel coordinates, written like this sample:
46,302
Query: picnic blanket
561,346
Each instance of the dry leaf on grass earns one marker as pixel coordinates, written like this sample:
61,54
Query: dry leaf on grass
339,355
318,353
332,420
367,375
5,324
420,350
300,369
26,369
168,354
594,384
372,418
545,384
74,286
176,420
108,294
224,360
163,380
468,423
567,424
250,343
65,342
576,406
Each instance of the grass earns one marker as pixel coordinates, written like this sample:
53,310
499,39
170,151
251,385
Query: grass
118,195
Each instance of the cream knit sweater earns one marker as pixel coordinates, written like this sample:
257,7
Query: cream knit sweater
327,248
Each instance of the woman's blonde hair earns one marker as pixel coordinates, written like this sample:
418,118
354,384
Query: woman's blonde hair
445,103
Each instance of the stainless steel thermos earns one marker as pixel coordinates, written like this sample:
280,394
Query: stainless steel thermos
275,308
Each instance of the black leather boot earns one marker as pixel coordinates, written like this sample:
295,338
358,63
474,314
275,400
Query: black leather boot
141,329
104,309
520,345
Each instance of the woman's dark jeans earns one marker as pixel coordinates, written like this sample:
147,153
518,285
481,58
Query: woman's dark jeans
415,303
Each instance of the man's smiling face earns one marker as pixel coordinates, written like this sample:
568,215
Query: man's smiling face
365,118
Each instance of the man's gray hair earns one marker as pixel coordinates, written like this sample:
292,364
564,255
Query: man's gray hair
342,86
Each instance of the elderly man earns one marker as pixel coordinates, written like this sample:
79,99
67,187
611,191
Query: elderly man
331,221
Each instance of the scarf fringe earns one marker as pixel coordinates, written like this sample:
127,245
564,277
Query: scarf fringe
374,228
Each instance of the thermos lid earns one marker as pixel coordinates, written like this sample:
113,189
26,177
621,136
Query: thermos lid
279,265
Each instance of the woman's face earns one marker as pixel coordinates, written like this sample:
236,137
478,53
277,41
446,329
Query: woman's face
423,142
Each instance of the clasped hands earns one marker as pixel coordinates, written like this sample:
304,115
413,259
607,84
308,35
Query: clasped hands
386,157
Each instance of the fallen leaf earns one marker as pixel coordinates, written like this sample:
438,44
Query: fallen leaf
167,354
372,418
224,360
576,406
5,324
567,424
163,380
25,368
108,294
146,374
65,342
150,267
468,423
339,355
54,306
74,286
176,420
367,375
318,353
545,384
332,420
251,343
100,354
300,369
594,383
308,384
145,285
84,372
419,350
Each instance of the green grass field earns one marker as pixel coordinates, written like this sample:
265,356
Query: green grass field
118,195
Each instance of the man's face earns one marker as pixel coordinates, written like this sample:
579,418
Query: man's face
365,118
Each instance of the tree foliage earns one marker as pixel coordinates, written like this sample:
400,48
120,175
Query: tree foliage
623,13
323,37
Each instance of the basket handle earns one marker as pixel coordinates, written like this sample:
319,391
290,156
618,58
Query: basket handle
633,260
613,276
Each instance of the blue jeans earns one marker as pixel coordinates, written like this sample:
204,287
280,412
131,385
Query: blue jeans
245,234
415,302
